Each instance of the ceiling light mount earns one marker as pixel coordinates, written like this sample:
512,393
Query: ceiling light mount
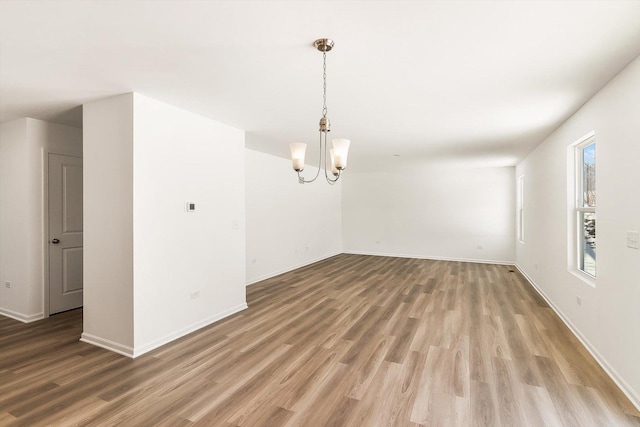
337,161
323,45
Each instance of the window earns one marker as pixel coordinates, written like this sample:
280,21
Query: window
585,211
521,209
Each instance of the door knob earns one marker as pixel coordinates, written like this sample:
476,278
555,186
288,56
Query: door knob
55,241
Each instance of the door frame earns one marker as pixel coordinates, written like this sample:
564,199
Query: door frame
45,222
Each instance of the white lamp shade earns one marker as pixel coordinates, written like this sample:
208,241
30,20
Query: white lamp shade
341,152
334,170
298,150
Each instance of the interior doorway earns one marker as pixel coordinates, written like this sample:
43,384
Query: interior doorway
65,232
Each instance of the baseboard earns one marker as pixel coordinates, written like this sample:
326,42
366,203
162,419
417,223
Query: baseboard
140,350
437,258
304,264
628,391
107,344
24,318
288,269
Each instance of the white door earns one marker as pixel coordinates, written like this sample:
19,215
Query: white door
65,233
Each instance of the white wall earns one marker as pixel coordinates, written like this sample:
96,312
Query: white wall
288,224
433,212
182,157
145,256
608,320
108,223
24,144
14,265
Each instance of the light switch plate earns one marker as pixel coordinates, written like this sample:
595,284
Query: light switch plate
633,239
190,206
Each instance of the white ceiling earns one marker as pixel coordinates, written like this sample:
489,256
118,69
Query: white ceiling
481,82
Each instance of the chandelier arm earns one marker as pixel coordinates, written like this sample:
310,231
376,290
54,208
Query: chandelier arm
332,181
327,162
301,179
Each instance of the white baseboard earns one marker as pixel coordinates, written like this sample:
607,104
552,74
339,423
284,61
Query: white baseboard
24,318
437,258
304,264
140,350
632,395
288,269
124,350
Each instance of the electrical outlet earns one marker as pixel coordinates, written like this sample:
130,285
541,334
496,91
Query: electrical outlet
579,300
633,239
195,294
7,285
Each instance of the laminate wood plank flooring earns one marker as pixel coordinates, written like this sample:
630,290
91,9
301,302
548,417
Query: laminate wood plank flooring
349,341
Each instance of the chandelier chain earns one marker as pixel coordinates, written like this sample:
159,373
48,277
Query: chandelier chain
324,85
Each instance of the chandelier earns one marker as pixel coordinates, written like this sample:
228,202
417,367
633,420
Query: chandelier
340,147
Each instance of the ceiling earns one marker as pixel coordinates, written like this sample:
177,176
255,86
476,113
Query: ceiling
464,81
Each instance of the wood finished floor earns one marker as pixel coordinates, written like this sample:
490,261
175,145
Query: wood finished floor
349,341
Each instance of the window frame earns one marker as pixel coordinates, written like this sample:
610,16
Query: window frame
520,218
579,208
